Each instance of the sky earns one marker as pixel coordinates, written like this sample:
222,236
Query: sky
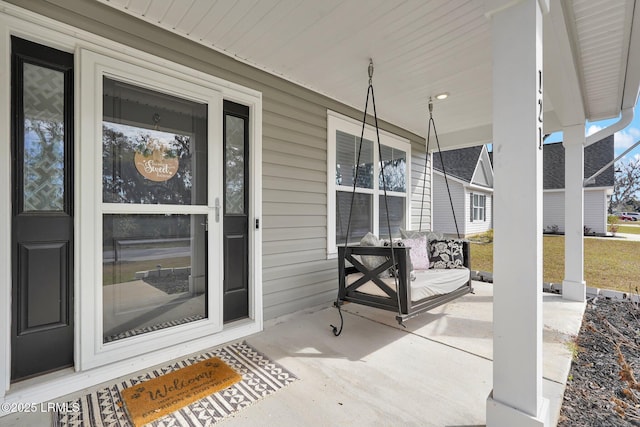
622,139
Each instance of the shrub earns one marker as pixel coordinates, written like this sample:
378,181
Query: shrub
555,228
486,237
613,221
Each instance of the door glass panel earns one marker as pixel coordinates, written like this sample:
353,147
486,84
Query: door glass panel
234,171
154,151
154,272
43,171
154,147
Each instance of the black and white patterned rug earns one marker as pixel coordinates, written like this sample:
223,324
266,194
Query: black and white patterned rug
260,378
156,327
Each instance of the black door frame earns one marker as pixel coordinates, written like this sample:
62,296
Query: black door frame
236,301
23,52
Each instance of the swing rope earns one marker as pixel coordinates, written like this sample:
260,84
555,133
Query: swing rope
432,124
444,170
337,331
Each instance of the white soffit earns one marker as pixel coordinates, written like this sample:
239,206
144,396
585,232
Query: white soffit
419,48
602,30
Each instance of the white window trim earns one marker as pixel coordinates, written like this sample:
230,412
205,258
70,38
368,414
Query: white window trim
480,207
335,122
31,26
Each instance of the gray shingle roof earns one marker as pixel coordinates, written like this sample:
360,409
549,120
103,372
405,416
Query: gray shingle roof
460,163
595,157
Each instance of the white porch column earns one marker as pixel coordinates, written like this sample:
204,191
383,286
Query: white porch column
573,285
516,399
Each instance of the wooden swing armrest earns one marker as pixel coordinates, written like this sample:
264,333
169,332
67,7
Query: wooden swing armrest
352,253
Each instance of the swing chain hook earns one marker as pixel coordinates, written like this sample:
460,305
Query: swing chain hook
370,71
430,107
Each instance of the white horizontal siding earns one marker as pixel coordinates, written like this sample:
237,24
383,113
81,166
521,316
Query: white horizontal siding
420,204
553,210
296,273
595,210
443,221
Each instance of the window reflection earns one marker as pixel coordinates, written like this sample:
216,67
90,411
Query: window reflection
394,162
145,166
347,148
361,217
396,216
43,103
153,147
154,272
234,160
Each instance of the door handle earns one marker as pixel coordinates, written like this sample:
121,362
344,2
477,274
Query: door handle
217,208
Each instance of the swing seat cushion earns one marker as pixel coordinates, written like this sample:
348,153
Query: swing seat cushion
428,283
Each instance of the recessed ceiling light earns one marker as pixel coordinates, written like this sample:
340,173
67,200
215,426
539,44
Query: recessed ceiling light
443,95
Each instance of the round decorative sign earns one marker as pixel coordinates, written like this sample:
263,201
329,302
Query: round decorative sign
156,165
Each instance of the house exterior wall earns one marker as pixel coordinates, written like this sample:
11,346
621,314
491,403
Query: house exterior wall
553,210
461,197
420,183
595,210
442,216
296,273
483,174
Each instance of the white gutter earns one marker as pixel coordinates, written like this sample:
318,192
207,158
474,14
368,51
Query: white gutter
592,178
625,118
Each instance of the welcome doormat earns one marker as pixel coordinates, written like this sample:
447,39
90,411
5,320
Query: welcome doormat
260,378
155,398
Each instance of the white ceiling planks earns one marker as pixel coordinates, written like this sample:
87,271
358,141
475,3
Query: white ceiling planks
156,9
419,48
601,28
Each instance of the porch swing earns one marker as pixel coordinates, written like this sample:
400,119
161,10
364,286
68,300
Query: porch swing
383,276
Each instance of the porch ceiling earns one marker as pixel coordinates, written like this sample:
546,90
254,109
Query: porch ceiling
419,49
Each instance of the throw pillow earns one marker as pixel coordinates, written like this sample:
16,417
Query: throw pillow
411,234
418,253
373,261
446,254
393,271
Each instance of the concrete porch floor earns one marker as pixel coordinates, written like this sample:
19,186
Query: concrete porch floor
436,372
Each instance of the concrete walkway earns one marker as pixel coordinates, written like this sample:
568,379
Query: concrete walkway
627,236
436,372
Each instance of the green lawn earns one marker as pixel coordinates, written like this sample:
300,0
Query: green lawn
608,263
630,229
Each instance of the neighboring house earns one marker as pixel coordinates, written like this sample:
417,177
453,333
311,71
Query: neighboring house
470,176
597,194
